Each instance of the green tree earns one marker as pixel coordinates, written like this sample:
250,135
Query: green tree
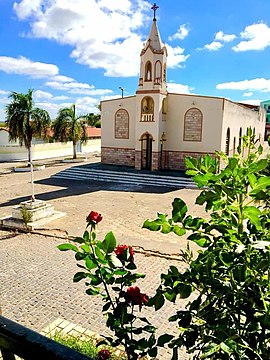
69,127
24,121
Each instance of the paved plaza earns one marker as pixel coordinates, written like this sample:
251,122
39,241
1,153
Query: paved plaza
36,278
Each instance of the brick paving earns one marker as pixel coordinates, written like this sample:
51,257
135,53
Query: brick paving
37,287
36,278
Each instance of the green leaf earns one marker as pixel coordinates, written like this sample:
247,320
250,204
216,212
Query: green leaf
92,291
158,301
109,243
153,352
191,163
152,225
79,276
170,295
131,266
211,349
90,264
252,180
79,240
184,290
179,210
257,166
252,213
164,339
65,247
86,235
225,348
200,239
99,254
178,230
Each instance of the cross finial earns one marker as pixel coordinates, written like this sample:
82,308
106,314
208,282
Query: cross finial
154,8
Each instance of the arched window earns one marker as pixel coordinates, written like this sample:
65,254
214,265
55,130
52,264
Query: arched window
121,124
240,141
234,145
158,74
147,109
148,71
227,146
193,125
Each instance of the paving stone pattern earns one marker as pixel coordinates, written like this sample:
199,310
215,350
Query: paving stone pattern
37,288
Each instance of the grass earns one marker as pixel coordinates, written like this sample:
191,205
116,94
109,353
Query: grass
85,347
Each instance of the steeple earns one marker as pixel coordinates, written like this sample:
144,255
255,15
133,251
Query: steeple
153,60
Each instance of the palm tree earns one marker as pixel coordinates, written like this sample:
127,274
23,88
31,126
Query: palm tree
24,121
68,127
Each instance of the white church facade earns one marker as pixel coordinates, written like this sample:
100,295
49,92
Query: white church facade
156,130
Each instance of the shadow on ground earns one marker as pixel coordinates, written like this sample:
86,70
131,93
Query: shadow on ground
79,187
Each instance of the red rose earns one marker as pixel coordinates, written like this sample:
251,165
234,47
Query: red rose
103,355
135,297
94,216
120,252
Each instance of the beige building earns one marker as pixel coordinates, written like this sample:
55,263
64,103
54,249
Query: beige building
155,129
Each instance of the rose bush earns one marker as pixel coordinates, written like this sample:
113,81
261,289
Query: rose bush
109,270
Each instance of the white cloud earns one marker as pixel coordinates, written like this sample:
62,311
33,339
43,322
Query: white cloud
74,87
176,56
4,92
101,33
181,33
220,36
60,98
256,37
68,86
62,78
250,102
247,94
213,46
178,88
259,84
24,66
39,95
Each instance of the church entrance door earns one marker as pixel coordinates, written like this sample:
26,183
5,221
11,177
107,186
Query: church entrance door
146,140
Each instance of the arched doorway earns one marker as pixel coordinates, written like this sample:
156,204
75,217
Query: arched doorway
146,149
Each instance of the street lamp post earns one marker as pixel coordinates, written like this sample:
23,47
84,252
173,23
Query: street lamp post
122,90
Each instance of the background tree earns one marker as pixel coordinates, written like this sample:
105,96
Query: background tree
24,121
68,127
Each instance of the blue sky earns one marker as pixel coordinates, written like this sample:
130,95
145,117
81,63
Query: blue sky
82,51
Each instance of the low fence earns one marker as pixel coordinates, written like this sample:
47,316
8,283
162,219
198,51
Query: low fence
12,152
18,340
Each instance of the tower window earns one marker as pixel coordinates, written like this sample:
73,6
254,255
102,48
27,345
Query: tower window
148,71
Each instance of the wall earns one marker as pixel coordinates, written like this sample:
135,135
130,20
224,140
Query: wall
12,152
109,108
211,109
238,116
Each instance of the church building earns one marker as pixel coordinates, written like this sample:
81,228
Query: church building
156,130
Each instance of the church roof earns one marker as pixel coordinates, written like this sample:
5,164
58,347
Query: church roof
154,37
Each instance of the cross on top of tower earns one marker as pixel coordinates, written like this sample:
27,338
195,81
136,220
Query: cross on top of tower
154,8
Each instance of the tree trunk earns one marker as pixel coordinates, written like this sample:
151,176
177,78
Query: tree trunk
32,173
74,150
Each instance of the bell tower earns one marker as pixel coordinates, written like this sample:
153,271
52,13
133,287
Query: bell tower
151,101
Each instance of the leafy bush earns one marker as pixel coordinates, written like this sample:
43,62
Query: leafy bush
228,316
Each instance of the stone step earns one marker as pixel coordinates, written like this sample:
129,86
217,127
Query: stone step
84,174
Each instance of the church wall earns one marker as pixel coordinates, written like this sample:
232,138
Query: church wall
211,109
238,116
114,149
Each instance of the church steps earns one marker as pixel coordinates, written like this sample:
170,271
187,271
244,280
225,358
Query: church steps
83,174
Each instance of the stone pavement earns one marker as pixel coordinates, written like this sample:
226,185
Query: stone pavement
36,278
